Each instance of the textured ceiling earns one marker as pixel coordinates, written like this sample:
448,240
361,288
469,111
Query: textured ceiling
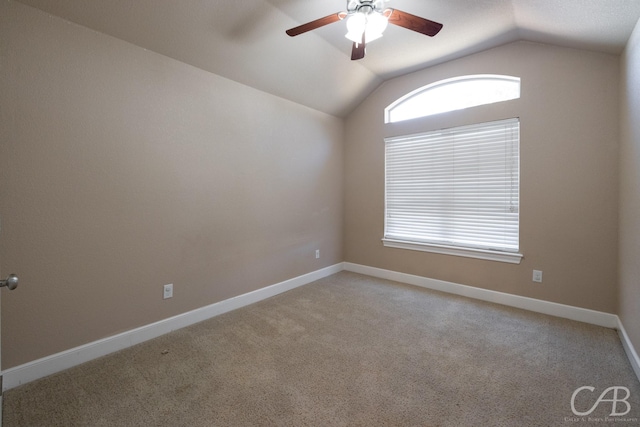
245,40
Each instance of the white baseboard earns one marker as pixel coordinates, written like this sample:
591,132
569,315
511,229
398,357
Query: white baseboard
554,309
40,368
629,349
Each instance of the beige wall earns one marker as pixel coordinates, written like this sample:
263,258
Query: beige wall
629,273
569,175
122,170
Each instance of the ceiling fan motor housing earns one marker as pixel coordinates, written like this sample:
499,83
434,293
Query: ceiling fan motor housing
365,6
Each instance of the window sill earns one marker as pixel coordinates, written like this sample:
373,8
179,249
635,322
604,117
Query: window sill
508,257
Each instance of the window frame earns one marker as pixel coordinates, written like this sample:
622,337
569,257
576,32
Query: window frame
470,251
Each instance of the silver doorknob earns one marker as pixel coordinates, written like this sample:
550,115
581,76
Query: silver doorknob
10,282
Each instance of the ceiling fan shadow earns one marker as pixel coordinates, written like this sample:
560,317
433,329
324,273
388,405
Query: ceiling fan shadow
249,24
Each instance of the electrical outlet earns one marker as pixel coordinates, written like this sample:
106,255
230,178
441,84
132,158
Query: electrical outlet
537,276
167,291
317,253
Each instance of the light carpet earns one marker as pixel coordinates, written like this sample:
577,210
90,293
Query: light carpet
347,350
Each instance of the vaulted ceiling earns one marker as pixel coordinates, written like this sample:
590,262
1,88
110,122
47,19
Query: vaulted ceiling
245,40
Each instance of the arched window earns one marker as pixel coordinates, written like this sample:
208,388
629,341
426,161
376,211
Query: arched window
453,94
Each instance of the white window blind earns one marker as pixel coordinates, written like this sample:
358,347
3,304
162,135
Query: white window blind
455,187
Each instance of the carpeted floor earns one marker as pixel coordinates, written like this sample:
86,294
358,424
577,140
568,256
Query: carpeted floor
347,350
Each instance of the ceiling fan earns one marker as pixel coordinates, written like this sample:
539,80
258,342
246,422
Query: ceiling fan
367,20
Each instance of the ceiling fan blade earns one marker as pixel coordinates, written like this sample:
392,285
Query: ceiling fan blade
357,52
316,24
415,23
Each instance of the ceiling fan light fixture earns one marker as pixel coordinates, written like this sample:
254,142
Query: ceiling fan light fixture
376,24
356,25
371,24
